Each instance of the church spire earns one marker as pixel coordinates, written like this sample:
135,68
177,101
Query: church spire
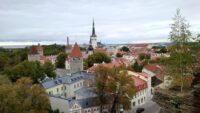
93,30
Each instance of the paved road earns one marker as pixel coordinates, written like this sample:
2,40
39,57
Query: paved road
150,107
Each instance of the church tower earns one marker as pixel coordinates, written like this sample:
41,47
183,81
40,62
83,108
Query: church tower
93,37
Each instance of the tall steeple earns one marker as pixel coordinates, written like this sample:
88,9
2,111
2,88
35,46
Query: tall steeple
93,37
93,30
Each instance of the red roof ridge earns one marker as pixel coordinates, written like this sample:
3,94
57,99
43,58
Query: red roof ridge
140,84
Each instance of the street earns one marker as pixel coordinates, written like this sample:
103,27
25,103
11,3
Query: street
150,107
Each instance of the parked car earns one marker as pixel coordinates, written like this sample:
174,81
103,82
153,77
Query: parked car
139,110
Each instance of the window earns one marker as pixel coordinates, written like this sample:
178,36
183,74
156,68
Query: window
85,111
81,84
57,89
139,101
133,103
62,88
77,85
65,88
49,93
74,85
142,100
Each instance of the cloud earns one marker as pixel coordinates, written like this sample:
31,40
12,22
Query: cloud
116,21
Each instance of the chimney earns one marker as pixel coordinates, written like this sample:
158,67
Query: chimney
67,41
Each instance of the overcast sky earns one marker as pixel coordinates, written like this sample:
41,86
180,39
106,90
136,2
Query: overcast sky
116,21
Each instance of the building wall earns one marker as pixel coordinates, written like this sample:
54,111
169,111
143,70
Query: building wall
148,72
149,87
76,64
59,103
139,99
56,90
74,87
67,65
35,57
41,53
66,90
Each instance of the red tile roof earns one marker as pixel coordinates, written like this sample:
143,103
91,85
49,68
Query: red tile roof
139,83
35,49
153,67
108,65
140,45
76,52
120,60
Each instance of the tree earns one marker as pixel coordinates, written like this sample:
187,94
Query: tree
144,56
25,69
4,80
121,86
137,67
101,76
60,61
119,55
97,58
125,49
49,69
163,50
53,49
23,97
181,59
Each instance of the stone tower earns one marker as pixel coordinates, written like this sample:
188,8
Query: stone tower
93,37
75,59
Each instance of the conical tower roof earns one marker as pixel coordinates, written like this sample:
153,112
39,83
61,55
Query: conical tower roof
76,52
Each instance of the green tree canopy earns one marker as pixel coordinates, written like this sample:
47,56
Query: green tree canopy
25,69
137,67
97,58
180,63
121,85
115,84
119,55
23,97
53,49
144,56
101,76
49,69
125,49
32,69
11,57
60,61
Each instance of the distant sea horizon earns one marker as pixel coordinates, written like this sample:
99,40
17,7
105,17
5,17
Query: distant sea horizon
13,44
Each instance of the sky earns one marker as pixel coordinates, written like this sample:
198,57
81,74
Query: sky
116,21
